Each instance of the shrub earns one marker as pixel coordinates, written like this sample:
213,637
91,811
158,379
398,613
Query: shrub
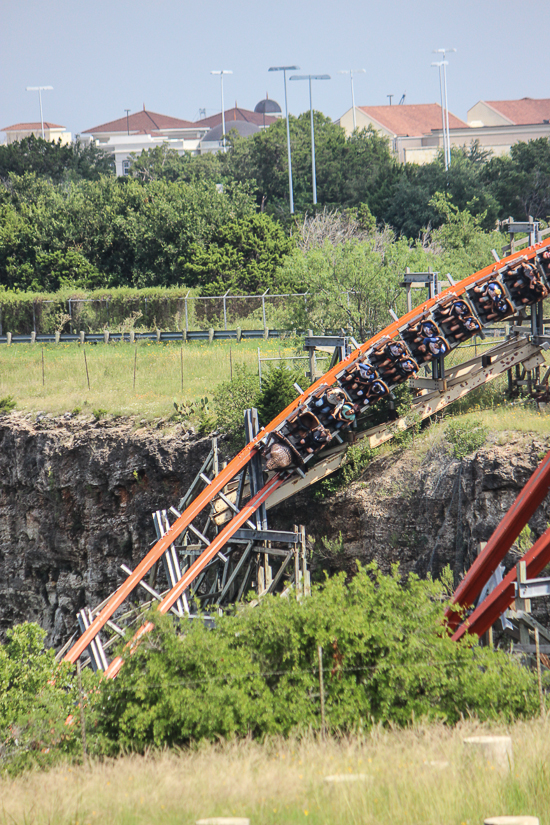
466,436
232,398
39,722
277,391
7,404
387,660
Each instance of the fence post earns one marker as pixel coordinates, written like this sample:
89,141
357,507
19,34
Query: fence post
210,335
33,337
158,336
259,368
239,335
57,336
106,336
321,690
82,336
225,309
8,338
263,307
186,316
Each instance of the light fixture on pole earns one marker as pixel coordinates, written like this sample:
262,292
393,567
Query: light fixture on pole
444,63
311,77
286,69
443,123
40,89
351,72
221,73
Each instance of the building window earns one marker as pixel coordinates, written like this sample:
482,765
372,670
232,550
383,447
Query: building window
125,167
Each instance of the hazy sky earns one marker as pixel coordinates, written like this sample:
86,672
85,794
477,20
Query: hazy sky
103,57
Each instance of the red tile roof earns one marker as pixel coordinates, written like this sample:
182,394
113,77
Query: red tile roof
237,114
30,127
143,123
416,119
527,110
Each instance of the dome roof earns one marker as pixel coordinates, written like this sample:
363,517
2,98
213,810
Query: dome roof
243,128
267,106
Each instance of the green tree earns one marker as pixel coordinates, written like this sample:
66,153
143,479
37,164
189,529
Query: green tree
56,162
521,182
410,209
242,256
277,392
164,163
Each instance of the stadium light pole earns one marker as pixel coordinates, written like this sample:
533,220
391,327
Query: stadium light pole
311,77
444,63
286,69
445,158
40,89
221,73
351,72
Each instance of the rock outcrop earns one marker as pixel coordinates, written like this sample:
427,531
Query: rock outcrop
76,498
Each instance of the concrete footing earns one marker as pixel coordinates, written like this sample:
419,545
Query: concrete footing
495,750
512,820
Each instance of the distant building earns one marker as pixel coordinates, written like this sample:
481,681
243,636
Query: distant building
145,130
258,118
524,112
212,141
52,132
416,134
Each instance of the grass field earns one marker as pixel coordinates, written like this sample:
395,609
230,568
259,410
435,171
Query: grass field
158,380
54,378
422,776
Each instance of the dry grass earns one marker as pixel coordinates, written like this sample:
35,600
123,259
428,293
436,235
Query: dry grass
111,372
417,776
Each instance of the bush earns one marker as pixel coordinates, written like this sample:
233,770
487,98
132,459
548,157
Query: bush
39,700
277,392
387,660
7,404
466,436
232,398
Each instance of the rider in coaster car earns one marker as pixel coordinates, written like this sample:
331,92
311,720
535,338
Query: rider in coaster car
470,326
425,329
529,285
344,414
360,375
432,346
407,367
499,309
329,400
389,352
375,390
315,439
489,292
455,314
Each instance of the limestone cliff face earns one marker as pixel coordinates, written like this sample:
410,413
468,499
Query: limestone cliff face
76,498
422,508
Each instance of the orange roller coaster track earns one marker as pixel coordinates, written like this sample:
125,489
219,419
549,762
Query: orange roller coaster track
535,257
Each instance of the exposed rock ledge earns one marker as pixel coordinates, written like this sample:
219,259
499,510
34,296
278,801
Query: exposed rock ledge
76,499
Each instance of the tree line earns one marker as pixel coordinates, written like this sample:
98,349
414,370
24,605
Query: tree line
220,222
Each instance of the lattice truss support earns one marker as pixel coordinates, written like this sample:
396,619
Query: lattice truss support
256,560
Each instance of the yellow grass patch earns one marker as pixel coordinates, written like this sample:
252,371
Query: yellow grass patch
422,775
